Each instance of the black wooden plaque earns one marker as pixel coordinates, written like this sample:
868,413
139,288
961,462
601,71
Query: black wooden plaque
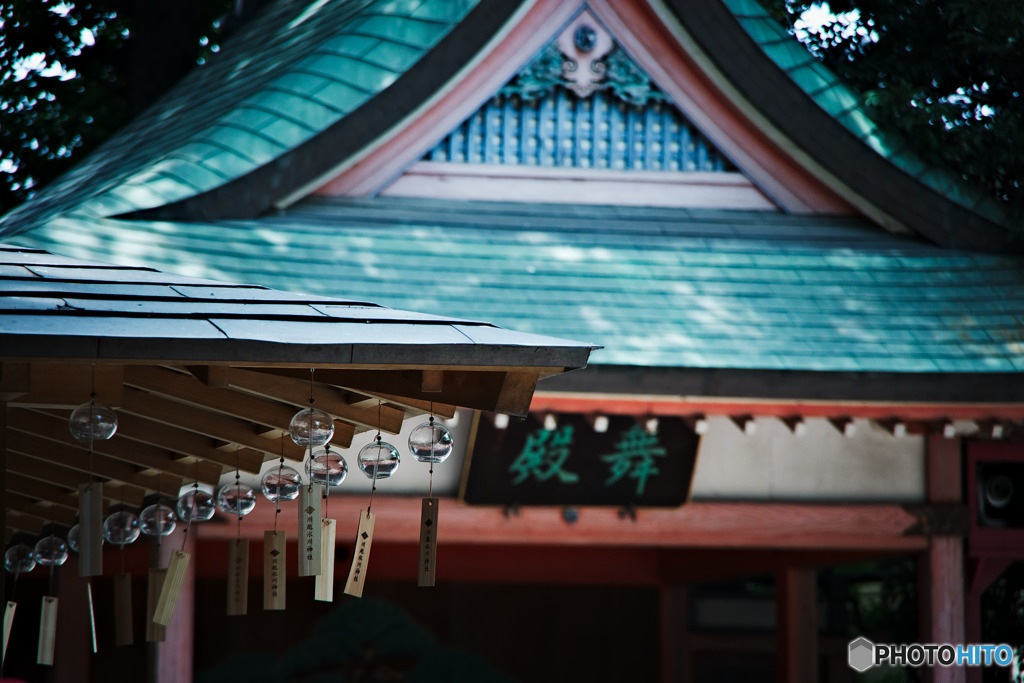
629,464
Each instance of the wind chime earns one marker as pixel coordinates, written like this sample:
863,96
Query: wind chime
19,559
429,442
237,499
313,429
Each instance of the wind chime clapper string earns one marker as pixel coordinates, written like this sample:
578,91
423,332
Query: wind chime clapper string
429,442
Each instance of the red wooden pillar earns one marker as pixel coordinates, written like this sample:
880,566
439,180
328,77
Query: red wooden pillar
676,653
170,661
943,575
796,625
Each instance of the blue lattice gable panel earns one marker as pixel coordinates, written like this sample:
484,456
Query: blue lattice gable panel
657,288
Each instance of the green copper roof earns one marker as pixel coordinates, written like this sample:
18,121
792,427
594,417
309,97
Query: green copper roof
848,107
655,287
292,72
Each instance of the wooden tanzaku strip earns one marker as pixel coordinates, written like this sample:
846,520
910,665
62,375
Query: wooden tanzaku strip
123,610
41,450
274,570
155,633
92,615
53,428
8,623
428,541
361,556
47,631
169,592
325,578
187,443
90,529
238,576
296,391
208,423
310,502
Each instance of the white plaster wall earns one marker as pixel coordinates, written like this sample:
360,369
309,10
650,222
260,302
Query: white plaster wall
820,465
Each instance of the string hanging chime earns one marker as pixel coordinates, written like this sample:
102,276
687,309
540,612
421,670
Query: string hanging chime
430,442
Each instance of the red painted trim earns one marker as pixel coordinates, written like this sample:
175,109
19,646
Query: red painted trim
697,525
654,47
685,407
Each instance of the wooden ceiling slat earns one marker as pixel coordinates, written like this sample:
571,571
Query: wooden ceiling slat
443,410
208,423
40,490
188,389
296,391
19,521
470,389
50,427
160,435
68,385
47,513
70,479
36,447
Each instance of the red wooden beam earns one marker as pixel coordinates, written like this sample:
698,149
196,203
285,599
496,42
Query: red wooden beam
611,405
697,525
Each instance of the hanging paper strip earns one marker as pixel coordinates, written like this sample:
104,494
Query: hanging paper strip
310,501
47,631
155,633
90,529
123,609
273,570
177,568
92,616
8,622
325,577
357,571
428,541
238,576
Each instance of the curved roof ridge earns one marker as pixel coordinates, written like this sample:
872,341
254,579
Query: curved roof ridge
847,106
338,55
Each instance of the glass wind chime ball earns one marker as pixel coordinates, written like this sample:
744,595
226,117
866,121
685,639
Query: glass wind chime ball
19,559
281,483
431,442
324,466
121,527
157,520
94,421
236,499
378,458
51,551
311,427
195,505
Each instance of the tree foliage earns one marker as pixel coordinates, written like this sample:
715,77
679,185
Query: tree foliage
72,73
947,73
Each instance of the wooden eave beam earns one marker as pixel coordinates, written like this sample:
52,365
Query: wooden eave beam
40,490
19,521
209,424
68,478
38,448
43,511
296,392
442,410
68,385
53,428
189,444
187,389
493,390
